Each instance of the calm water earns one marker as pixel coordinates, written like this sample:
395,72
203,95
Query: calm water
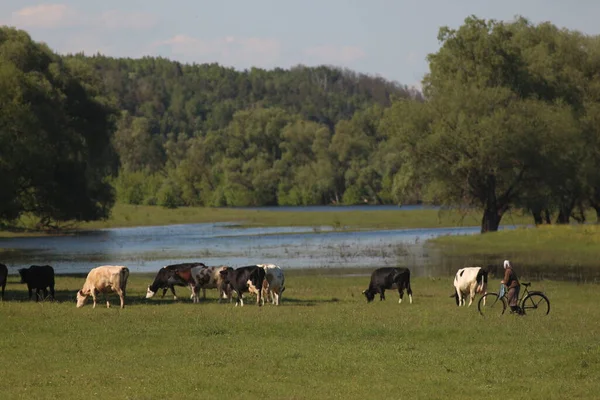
145,249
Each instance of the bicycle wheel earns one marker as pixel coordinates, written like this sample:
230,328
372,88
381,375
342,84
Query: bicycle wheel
535,303
491,304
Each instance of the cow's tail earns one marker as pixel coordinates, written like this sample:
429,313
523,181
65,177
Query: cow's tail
407,284
482,278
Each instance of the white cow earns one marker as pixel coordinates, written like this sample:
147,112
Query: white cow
469,281
104,279
210,278
274,283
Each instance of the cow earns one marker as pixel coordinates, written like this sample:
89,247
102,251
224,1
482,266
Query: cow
389,278
38,277
168,277
274,283
104,279
469,281
245,279
210,278
3,278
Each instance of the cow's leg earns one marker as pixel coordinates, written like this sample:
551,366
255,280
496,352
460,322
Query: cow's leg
401,293
165,292
409,291
203,293
471,296
52,293
93,293
241,299
29,292
106,298
172,287
121,294
382,294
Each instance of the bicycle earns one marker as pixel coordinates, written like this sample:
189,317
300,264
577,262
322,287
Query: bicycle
534,302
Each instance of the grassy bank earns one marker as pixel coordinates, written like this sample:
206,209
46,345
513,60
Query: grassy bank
568,246
124,215
324,342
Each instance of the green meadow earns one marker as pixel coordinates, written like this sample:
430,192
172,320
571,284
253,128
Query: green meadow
323,342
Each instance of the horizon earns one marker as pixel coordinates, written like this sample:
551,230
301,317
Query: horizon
387,39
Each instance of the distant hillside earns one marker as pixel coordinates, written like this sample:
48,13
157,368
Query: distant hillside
199,97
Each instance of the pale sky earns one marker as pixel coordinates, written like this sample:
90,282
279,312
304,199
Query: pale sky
390,38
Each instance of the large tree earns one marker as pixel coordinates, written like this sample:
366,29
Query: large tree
55,127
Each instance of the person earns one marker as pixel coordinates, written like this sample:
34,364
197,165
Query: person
514,287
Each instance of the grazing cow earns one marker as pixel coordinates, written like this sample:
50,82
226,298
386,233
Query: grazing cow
210,278
38,277
389,278
274,283
3,278
245,279
168,276
469,281
104,279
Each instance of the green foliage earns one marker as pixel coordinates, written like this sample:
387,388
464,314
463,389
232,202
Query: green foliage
55,127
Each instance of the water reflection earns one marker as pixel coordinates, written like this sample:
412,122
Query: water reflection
145,249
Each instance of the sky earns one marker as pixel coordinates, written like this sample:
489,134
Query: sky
388,38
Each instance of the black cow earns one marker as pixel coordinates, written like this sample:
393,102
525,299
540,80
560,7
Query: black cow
3,278
389,278
38,277
170,276
245,279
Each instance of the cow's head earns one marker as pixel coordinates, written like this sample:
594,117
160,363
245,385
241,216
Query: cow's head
81,297
23,274
149,293
370,295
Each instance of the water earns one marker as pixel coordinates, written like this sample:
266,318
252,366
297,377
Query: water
145,249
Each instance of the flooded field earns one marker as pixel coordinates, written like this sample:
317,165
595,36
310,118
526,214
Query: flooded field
145,249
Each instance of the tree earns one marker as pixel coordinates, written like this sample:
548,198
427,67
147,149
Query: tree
54,134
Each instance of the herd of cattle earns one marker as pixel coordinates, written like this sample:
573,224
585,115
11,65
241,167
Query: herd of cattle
263,280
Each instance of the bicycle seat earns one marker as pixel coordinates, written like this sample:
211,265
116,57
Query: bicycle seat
526,284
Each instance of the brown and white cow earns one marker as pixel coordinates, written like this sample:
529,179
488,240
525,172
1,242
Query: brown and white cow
274,283
170,276
104,279
210,278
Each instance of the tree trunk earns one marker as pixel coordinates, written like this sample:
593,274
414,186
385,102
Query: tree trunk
493,211
547,216
491,220
564,213
537,217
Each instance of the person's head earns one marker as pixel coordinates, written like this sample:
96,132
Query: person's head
507,264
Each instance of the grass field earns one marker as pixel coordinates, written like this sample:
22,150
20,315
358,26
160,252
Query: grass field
323,342
124,215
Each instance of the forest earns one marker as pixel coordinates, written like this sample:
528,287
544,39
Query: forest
508,119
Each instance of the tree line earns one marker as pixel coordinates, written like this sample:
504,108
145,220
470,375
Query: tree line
508,119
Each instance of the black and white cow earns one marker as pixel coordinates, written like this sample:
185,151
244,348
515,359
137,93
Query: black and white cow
469,281
245,279
38,277
170,276
3,278
389,278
